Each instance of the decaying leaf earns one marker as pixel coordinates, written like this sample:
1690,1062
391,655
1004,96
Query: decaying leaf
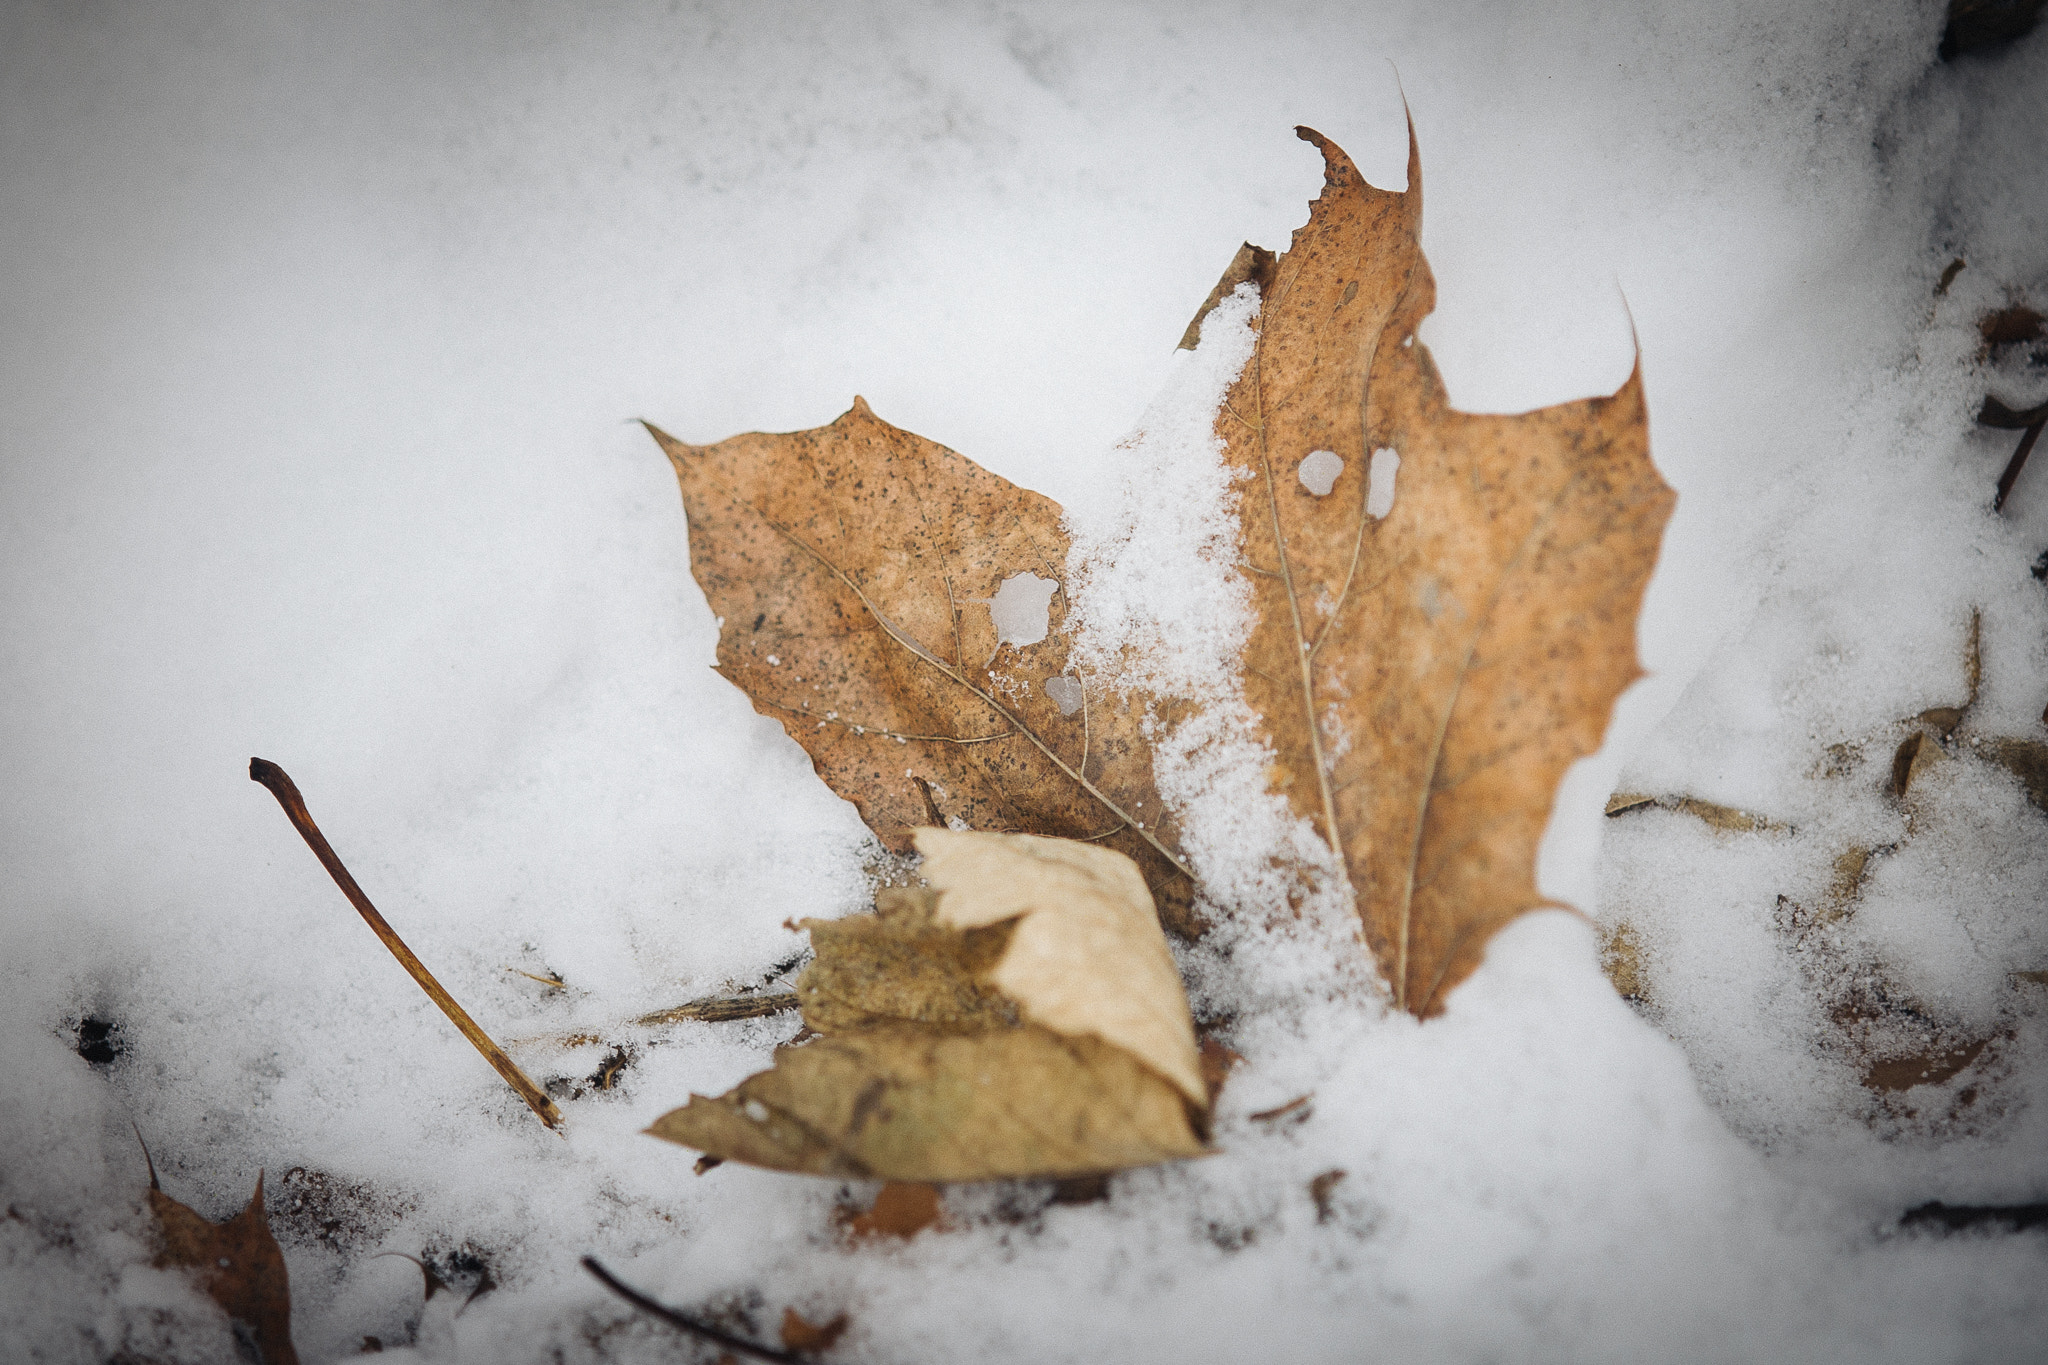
1621,958
1929,1068
1446,605
880,595
1017,1016
2026,759
1322,1189
1727,819
901,1209
1427,665
239,1266
801,1334
1915,754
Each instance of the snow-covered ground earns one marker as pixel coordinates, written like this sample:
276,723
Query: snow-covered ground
324,327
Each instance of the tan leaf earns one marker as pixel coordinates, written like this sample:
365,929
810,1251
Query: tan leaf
1085,955
901,1209
1426,669
1727,819
2026,759
1927,1068
239,1266
1621,958
1018,1016
1918,752
857,571
800,1334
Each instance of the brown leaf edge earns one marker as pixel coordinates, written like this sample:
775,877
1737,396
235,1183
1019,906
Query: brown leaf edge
240,1265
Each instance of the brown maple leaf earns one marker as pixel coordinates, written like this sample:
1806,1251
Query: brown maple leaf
1428,663
857,571
239,1265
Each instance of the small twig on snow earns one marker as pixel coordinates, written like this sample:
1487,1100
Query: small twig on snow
287,793
702,1330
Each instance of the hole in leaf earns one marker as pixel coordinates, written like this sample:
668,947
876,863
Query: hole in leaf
1319,470
1065,693
1379,488
1022,609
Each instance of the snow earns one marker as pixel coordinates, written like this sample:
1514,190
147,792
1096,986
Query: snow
326,329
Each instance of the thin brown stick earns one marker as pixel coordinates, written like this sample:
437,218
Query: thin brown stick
717,1009
702,1330
287,793
2018,462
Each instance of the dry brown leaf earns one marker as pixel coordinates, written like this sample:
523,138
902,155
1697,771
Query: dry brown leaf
1427,675
800,1334
901,1209
1927,1068
1322,1189
1917,753
1085,955
239,1266
853,569
2026,759
1218,1059
1621,958
926,1067
1850,869
1727,819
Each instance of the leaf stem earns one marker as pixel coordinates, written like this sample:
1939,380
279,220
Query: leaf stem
1304,653
287,793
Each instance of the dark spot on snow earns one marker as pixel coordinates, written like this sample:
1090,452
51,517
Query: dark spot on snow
313,1207
1081,1189
605,1078
1980,25
1937,1217
466,1270
1230,1238
99,1041
2011,326
1320,1190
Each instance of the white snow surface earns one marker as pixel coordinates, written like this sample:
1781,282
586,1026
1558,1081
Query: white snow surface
326,325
